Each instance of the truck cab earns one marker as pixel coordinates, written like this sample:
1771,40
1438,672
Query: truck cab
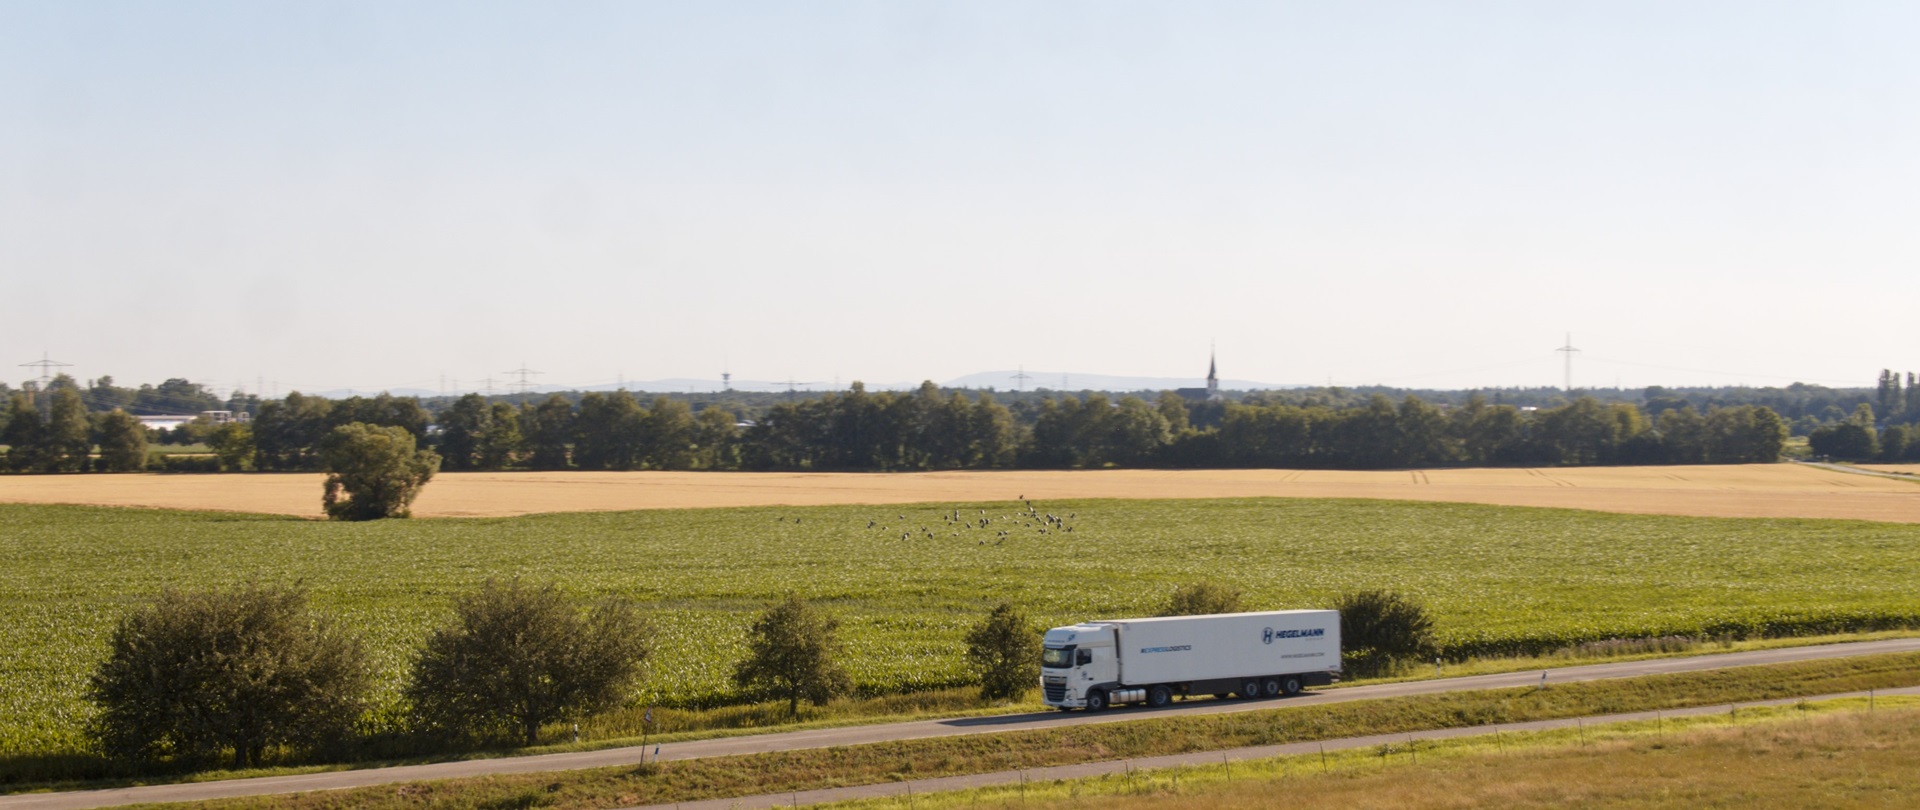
1076,659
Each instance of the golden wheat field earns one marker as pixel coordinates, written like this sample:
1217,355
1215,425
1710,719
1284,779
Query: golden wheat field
1757,490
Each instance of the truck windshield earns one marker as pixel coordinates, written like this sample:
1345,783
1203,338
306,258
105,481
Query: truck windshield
1057,657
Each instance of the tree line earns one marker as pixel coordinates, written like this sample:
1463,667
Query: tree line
931,429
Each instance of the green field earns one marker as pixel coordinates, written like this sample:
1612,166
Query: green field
1501,579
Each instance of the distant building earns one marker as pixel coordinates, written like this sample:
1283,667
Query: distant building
164,421
1211,393
223,417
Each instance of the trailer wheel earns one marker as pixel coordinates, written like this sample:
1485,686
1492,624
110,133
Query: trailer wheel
1250,690
1291,686
1270,687
1159,696
1096,700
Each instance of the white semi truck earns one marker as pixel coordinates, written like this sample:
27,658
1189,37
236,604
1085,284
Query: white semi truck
1094,665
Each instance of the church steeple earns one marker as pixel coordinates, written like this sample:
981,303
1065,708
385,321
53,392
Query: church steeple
1213,376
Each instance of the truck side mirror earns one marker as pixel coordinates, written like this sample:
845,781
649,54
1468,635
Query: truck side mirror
1083,657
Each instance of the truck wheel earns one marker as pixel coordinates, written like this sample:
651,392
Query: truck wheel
1290,686
1270,687
1250,690
1159,696
1096,700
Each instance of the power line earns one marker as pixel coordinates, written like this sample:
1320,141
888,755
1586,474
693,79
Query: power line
1569,350
46,367
524,384
1020,378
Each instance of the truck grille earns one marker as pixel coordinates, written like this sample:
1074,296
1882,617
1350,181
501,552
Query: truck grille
1056,692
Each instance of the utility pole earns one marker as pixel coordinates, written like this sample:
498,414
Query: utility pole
524,384
1020,379
1568,350
46,367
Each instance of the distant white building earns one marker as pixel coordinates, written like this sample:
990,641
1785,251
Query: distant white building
167,421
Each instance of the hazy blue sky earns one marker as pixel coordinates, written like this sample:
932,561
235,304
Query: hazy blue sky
1425,194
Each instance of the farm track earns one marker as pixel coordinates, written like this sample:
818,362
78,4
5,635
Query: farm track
859,735
1758,490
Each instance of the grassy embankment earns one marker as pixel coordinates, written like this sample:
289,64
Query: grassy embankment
1825,754
724,777
1501,579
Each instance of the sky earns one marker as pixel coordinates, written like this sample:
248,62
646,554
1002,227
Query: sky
374,195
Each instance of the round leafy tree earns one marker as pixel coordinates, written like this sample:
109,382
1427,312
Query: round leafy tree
1380,629
1005,651
516,657
373,472
791,654
198,673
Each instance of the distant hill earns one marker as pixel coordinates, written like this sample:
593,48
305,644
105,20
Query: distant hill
1057,381
997,380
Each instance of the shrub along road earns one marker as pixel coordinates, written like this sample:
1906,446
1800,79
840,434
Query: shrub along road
858,735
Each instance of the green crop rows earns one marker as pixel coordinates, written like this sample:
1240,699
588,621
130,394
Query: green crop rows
906,586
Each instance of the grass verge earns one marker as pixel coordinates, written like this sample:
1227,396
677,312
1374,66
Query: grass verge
1824,754
725,777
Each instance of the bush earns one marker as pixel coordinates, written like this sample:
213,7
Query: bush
123,443
198,673
182,462
1004,649
1381,629
517,657
1203,598
376,469
791,654
232,442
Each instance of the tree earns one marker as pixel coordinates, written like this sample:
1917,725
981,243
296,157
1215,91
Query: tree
1894,442
67,439
517,657
548,429
609,432
790,654
376,469
1852,438
287,433
669,435
1004,649
197,673
25,436
176,395
463,429
1202,598
233,443
123,442
716,439
501,443
1380,629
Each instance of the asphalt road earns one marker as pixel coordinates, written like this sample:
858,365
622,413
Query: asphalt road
858,735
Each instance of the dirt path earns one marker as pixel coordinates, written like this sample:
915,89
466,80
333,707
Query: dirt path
1758,490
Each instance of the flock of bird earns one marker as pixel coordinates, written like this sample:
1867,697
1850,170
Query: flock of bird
982,526
956,525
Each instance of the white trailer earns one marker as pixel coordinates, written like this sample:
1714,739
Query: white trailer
1094,665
